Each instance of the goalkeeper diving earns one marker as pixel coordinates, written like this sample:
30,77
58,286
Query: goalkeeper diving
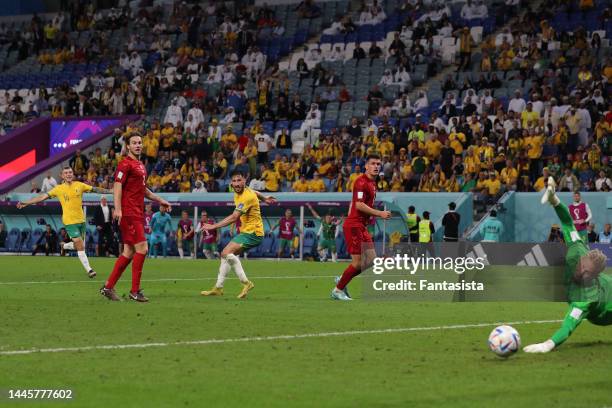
589,290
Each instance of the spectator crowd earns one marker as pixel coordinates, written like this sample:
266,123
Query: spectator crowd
220,104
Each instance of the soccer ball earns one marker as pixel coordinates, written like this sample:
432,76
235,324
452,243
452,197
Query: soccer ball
504,341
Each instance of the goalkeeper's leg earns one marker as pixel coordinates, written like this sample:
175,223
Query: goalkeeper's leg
567,224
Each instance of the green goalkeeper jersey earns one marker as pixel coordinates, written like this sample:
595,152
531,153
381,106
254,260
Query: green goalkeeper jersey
593,302
328,231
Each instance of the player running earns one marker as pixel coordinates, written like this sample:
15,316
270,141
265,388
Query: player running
130,190
286,233
251,233
160,224
184,235
209,239
70,196
327,232
355,226
589,290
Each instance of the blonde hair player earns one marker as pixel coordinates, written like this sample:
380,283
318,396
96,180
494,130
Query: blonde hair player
589,290
70,196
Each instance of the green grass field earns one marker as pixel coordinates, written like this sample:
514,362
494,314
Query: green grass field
335,353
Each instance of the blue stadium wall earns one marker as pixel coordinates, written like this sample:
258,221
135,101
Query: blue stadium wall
526,220
398,203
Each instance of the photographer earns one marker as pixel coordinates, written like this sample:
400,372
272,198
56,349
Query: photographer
555,234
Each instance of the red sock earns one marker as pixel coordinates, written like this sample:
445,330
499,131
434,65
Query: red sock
120,265
137,271
347,276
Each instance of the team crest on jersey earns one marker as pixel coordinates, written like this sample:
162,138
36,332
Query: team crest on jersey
120,175
360,195
240,206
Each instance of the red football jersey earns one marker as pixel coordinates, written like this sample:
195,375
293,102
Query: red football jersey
208,237
287,225
131,173
185,226
364,190
579,212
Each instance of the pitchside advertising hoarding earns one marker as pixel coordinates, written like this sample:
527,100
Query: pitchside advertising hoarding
472,272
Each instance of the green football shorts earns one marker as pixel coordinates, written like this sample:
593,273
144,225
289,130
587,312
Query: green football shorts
210,247
76,230
327,244
285,243
248,241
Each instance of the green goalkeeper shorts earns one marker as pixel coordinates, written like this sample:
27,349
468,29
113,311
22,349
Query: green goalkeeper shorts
327,244
76,230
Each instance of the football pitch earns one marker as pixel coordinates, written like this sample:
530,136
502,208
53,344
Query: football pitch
286,345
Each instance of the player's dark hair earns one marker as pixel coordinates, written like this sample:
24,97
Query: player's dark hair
493,213
372,156
452,206
131,135
411,208
237,172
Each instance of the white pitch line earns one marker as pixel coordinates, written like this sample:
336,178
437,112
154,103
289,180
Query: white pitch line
267,338
169,279
205,278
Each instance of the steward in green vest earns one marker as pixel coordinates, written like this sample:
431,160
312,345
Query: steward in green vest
412,221
426,228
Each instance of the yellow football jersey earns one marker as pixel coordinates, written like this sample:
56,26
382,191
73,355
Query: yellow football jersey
247,204
70,197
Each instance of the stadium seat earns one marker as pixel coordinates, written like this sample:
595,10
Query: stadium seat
309,242
26,240
12,241
268,245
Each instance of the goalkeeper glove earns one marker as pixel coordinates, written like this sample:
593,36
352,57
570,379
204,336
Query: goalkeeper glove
545,347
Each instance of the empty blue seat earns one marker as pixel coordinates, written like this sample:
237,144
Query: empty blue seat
12,241
26,240
267,246
309,241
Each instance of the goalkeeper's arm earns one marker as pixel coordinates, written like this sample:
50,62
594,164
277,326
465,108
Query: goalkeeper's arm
576,313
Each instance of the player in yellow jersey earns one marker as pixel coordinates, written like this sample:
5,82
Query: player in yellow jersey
251,233
70,196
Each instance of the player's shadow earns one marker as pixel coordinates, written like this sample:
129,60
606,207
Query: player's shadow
589,344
